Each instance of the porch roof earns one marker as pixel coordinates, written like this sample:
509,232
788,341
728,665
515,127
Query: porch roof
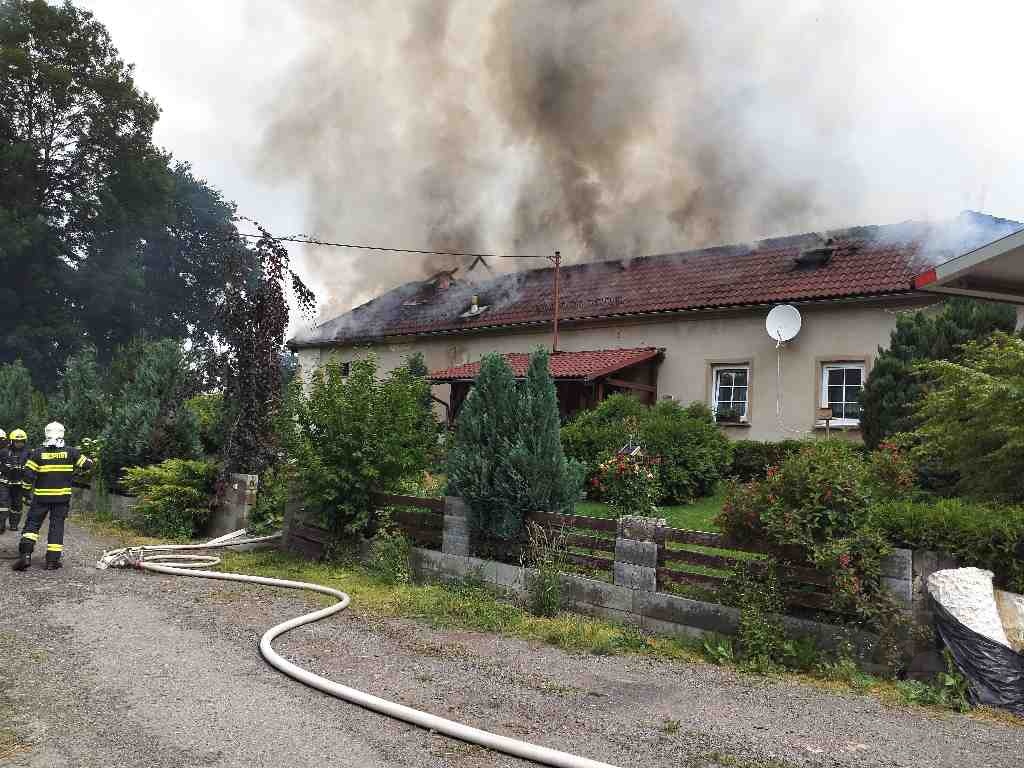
585,366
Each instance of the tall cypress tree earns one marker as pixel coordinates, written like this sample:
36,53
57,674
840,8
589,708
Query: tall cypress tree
553,484
481,466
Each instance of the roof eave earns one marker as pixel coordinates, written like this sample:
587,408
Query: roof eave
910,290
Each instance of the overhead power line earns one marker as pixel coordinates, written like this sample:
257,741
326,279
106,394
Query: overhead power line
356,246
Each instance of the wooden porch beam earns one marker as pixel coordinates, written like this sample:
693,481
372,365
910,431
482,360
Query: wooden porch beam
621,383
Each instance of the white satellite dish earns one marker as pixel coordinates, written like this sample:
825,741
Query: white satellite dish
783,323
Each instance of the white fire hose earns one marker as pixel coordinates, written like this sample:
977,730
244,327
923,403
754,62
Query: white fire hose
152,558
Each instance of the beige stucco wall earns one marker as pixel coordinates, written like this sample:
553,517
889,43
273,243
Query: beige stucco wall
831,332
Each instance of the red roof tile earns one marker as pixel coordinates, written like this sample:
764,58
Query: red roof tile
866,262
586,366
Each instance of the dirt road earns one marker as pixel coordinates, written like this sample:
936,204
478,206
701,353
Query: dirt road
121,668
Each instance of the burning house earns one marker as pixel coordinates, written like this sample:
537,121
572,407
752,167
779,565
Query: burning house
686,326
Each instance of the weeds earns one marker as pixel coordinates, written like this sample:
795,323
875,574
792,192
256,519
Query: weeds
948,690
546,553
389,554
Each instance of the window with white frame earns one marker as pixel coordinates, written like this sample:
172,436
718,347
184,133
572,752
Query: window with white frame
841,384
730,394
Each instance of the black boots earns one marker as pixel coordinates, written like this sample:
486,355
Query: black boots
3,522
52,565
24,561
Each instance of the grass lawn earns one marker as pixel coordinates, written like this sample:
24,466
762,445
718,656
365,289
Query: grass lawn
698,516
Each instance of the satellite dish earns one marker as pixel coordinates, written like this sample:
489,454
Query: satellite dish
783,323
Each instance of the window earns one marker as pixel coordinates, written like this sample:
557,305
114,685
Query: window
841,384
346,368
730,393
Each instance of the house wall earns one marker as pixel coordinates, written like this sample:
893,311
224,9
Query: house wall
831,332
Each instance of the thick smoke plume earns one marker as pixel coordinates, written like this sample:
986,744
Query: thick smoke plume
601,128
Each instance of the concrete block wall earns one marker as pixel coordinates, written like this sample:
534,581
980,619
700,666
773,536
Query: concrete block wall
631,598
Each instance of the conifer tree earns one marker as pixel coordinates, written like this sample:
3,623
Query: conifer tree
481,465
553,483
893,389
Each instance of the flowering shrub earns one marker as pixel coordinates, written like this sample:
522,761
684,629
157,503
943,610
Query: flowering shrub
891,471
815,508
629,484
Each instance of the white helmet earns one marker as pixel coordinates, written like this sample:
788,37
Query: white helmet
3,435
54,434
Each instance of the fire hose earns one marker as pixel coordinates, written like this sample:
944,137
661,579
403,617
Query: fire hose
156,558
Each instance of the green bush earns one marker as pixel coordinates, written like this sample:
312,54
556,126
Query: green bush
208,410
629,484
390,551
751,458
592,434
21,405
895,386
174,496
83,406
816,508
693,453
149,422
976,534
547,553
275,486
971,420
353,435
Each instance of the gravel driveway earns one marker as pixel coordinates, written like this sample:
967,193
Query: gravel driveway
128,669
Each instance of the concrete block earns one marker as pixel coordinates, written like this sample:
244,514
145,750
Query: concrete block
682,611
642,528
600,612
830,637
454,505
123,507
899,565
901,589
637,552
636,577
670,629
456,525
600,593
510,576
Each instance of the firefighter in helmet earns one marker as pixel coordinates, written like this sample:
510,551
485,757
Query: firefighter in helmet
48,471
14,471
5,488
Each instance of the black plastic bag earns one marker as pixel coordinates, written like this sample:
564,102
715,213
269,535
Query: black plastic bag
994,672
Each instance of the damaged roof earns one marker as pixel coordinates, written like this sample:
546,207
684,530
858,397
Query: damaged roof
580,366
859,262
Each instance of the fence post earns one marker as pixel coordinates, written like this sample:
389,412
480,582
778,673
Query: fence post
238,500
455,540
638,552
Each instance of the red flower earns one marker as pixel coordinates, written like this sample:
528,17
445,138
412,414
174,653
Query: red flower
772,472
844,560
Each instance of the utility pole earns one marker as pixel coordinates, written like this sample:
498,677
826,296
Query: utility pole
557,260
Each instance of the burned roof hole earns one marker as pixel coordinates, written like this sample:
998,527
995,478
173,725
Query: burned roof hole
816,257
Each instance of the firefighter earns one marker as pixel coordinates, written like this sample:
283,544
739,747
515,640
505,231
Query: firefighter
15,472
5,489
49,470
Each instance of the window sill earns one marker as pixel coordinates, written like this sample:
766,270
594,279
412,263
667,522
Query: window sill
741,424
820,427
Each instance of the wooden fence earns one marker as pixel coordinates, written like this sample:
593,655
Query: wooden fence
589,541
693,558
422,520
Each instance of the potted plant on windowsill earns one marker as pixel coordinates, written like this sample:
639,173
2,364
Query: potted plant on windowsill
728,416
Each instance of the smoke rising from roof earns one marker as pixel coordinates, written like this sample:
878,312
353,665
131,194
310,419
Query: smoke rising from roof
597,127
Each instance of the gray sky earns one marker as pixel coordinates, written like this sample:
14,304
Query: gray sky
888,110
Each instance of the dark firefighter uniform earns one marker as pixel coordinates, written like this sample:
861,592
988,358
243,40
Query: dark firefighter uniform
5,486
13,460
48,471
